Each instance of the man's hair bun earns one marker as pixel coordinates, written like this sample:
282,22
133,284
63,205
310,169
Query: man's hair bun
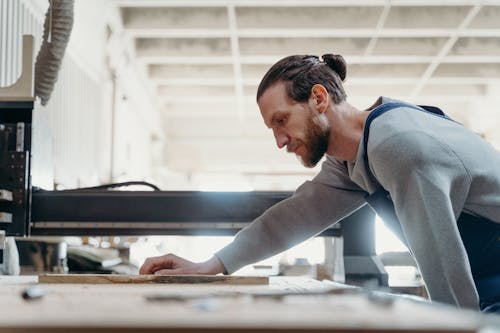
337,63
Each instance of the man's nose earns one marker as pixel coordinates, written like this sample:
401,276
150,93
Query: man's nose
281,139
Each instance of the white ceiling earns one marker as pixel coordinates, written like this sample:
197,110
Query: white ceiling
205,60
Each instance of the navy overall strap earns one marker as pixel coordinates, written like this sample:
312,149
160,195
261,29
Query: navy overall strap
380,201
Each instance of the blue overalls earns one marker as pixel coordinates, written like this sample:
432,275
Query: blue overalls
480,236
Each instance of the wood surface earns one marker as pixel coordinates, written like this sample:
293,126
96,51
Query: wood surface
115,308
138,279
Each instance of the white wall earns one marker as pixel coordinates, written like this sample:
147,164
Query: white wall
72,135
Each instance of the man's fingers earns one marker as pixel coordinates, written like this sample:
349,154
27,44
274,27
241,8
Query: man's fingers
170,264
153,264
148,266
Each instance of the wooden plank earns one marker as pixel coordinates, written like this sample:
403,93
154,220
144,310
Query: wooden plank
183,279
106,308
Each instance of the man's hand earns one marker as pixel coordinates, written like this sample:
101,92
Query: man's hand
171,264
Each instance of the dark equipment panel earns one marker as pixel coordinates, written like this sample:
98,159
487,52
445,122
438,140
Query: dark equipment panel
149,212
15,182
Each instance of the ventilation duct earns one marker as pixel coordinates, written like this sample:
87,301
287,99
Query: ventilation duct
57,29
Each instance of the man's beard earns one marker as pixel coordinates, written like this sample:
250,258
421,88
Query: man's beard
315,142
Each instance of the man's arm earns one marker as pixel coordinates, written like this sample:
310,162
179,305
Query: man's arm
315,206
428,185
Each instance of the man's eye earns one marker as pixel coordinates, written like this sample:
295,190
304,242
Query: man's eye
280,121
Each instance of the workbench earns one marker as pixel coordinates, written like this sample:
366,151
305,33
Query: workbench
200,308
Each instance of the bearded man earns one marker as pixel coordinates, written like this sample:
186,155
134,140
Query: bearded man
431,169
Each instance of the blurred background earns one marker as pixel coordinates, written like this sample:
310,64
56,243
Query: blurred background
164,90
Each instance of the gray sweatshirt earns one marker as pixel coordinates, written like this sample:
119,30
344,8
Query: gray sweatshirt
433,168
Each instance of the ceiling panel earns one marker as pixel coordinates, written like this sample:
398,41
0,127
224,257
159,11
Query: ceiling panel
408,46
254,71
174,17
182,47
469,70
477,46
384,70
487,18
288,46
194,90
426,16
190,71
456,89
374,91
308,17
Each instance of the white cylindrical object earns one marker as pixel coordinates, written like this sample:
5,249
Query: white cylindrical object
11,257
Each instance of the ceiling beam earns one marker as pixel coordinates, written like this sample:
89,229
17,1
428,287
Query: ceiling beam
292,3
309,32
380,24
269,60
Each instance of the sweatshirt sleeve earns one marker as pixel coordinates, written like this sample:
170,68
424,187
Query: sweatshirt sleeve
429,184
316,205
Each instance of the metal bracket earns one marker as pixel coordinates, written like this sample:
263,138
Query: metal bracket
6,195
23,88
5,217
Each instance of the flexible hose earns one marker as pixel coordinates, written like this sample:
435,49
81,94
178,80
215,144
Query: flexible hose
57,29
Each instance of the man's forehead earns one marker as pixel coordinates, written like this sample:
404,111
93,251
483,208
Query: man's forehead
275,91
273,101
274,97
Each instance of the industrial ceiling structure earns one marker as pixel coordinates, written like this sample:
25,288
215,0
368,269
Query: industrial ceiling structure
204,60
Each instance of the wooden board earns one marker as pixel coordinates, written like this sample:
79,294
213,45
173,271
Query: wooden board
118,308
184,279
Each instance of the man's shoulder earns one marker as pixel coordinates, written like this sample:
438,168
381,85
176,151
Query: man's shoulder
409,150
388,125
404,122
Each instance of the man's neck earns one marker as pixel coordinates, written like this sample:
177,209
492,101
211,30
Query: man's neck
346,129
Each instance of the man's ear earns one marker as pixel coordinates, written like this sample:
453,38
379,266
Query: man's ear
319,98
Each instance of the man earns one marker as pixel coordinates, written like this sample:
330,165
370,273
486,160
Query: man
435,171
